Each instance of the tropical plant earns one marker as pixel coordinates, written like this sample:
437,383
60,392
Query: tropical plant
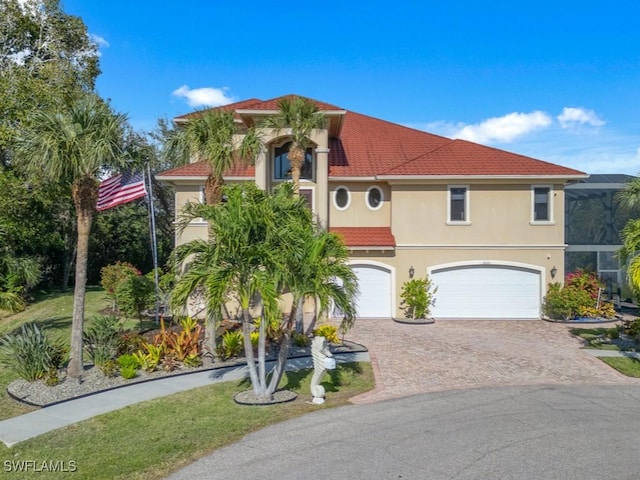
565,302
298,117
232,343
101,339
211,136
330,332
74,145
17,276
30,353
261,246
418,296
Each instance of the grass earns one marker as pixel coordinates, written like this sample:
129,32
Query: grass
626,365
153,439
54,311
593,338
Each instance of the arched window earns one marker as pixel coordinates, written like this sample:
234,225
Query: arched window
282,167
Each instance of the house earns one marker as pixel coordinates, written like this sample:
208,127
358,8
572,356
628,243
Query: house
486,225
594,218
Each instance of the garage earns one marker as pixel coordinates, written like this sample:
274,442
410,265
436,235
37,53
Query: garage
487,292
374,283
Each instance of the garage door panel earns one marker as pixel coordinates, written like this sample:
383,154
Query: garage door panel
374,283
486,292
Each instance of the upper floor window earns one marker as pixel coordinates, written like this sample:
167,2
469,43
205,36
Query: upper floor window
282,167
458,204
542,204
342,198
374,198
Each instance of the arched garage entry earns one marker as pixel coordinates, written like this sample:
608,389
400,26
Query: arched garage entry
487,290
375,281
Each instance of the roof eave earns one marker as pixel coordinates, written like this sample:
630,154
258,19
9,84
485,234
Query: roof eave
482,177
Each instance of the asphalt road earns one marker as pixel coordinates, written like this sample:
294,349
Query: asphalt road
538,433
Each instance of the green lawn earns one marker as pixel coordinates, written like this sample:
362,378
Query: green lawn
625,365
153,439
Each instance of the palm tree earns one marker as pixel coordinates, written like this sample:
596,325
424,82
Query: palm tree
260,242
301,116
212,136
629,196
74,145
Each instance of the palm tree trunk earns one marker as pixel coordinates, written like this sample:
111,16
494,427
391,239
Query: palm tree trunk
296,158
76,363
283,351
248,351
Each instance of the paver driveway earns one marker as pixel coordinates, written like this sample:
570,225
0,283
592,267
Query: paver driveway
410,359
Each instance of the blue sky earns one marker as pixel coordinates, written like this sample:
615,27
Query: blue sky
558,81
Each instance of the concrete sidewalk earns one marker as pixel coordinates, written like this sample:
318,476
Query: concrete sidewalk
19,429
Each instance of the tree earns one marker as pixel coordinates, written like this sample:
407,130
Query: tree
263,246
212,136
74,145
46,59
299,117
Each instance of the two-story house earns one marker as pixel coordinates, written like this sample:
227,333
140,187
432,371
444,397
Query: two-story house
486,225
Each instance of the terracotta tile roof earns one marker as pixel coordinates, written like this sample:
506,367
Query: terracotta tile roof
370,147
202,169
366,236
273,104
231,106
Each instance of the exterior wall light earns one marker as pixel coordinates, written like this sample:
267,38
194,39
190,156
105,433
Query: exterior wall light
412,271
554,271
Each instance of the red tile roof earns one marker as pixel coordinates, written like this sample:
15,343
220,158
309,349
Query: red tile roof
370,147
366,236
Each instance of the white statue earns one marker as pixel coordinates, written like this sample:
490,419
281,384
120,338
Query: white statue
322,361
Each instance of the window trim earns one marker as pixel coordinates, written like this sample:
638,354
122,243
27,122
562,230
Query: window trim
467,203
312,189
366,198
335,194
272,152
550,220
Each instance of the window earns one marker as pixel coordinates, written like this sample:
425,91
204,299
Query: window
342,198
458,204
282,167
542,204
374,198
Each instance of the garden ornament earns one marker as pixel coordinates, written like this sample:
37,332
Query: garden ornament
322,361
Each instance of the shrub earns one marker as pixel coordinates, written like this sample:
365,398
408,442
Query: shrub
128,372
193,361
564,303
129,342
150,357
186,342
135,294
329,332
300,339
29,353
101,339
586,281
112,276
232,343
128,360
418,296
109,368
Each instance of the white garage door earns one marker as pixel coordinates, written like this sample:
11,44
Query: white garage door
486,292
374,283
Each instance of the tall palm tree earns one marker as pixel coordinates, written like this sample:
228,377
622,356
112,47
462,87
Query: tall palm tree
629,196
74,145
260,242
212,135
299,117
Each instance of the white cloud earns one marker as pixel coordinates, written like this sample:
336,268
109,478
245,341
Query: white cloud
504,129
572,118
204,97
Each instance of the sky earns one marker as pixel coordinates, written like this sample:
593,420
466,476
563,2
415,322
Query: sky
554,80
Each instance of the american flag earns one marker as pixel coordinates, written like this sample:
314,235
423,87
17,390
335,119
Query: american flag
120,189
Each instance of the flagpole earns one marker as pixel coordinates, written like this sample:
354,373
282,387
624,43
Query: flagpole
154,243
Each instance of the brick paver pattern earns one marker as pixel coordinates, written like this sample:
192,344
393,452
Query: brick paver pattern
412,359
